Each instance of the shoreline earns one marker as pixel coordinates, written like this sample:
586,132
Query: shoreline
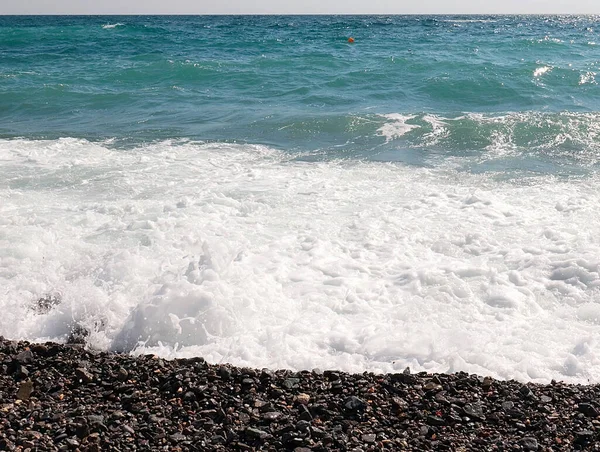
64,397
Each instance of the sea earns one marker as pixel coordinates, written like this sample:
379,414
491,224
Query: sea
262,191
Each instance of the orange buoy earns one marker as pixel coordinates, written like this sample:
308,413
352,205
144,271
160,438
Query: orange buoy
350,40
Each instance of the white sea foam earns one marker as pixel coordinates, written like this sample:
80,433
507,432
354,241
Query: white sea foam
439,128
110,26
588,77
239,254
541,71
397,127
468,21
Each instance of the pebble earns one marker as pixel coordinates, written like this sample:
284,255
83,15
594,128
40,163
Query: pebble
39,349
25,390
25,357
95,419
303,398
73,443
22,372
256,433
529,443
508,405
368,438
218,439
432,386
291,383
588,409
84,375
435,420
303,426
474,410
353,403
272,416
177,437
224,373
122,374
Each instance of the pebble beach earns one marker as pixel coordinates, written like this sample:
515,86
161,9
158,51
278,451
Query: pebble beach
66,397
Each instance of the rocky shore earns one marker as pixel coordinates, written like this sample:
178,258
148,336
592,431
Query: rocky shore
64,397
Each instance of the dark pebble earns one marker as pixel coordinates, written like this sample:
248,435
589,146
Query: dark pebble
122,374
95,419
22,372
39,349
59,438
303,426
291,383
588,409
529,443
584,437
256,433
72,443
525,392
369,438
271,416
474,410
177,437
25,357
434,420
224,373
353,403
508,405
218,439
84,375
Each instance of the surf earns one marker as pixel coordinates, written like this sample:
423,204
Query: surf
244,254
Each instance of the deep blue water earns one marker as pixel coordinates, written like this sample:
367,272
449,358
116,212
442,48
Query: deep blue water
521,90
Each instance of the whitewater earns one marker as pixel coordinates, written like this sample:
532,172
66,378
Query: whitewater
248,255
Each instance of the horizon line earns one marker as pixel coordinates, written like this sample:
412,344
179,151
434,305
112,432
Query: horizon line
289,14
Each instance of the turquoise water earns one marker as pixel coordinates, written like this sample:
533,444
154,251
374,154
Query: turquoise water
505,92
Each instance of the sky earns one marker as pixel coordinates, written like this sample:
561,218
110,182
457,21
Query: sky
299,7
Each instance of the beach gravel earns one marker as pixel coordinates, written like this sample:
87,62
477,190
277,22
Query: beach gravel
66,397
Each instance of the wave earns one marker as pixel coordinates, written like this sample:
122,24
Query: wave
556,138
469,21
111,26
244,254
548,142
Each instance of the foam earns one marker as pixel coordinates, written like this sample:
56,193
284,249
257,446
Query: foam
469,21
397,127
241,254
588,77
541,71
